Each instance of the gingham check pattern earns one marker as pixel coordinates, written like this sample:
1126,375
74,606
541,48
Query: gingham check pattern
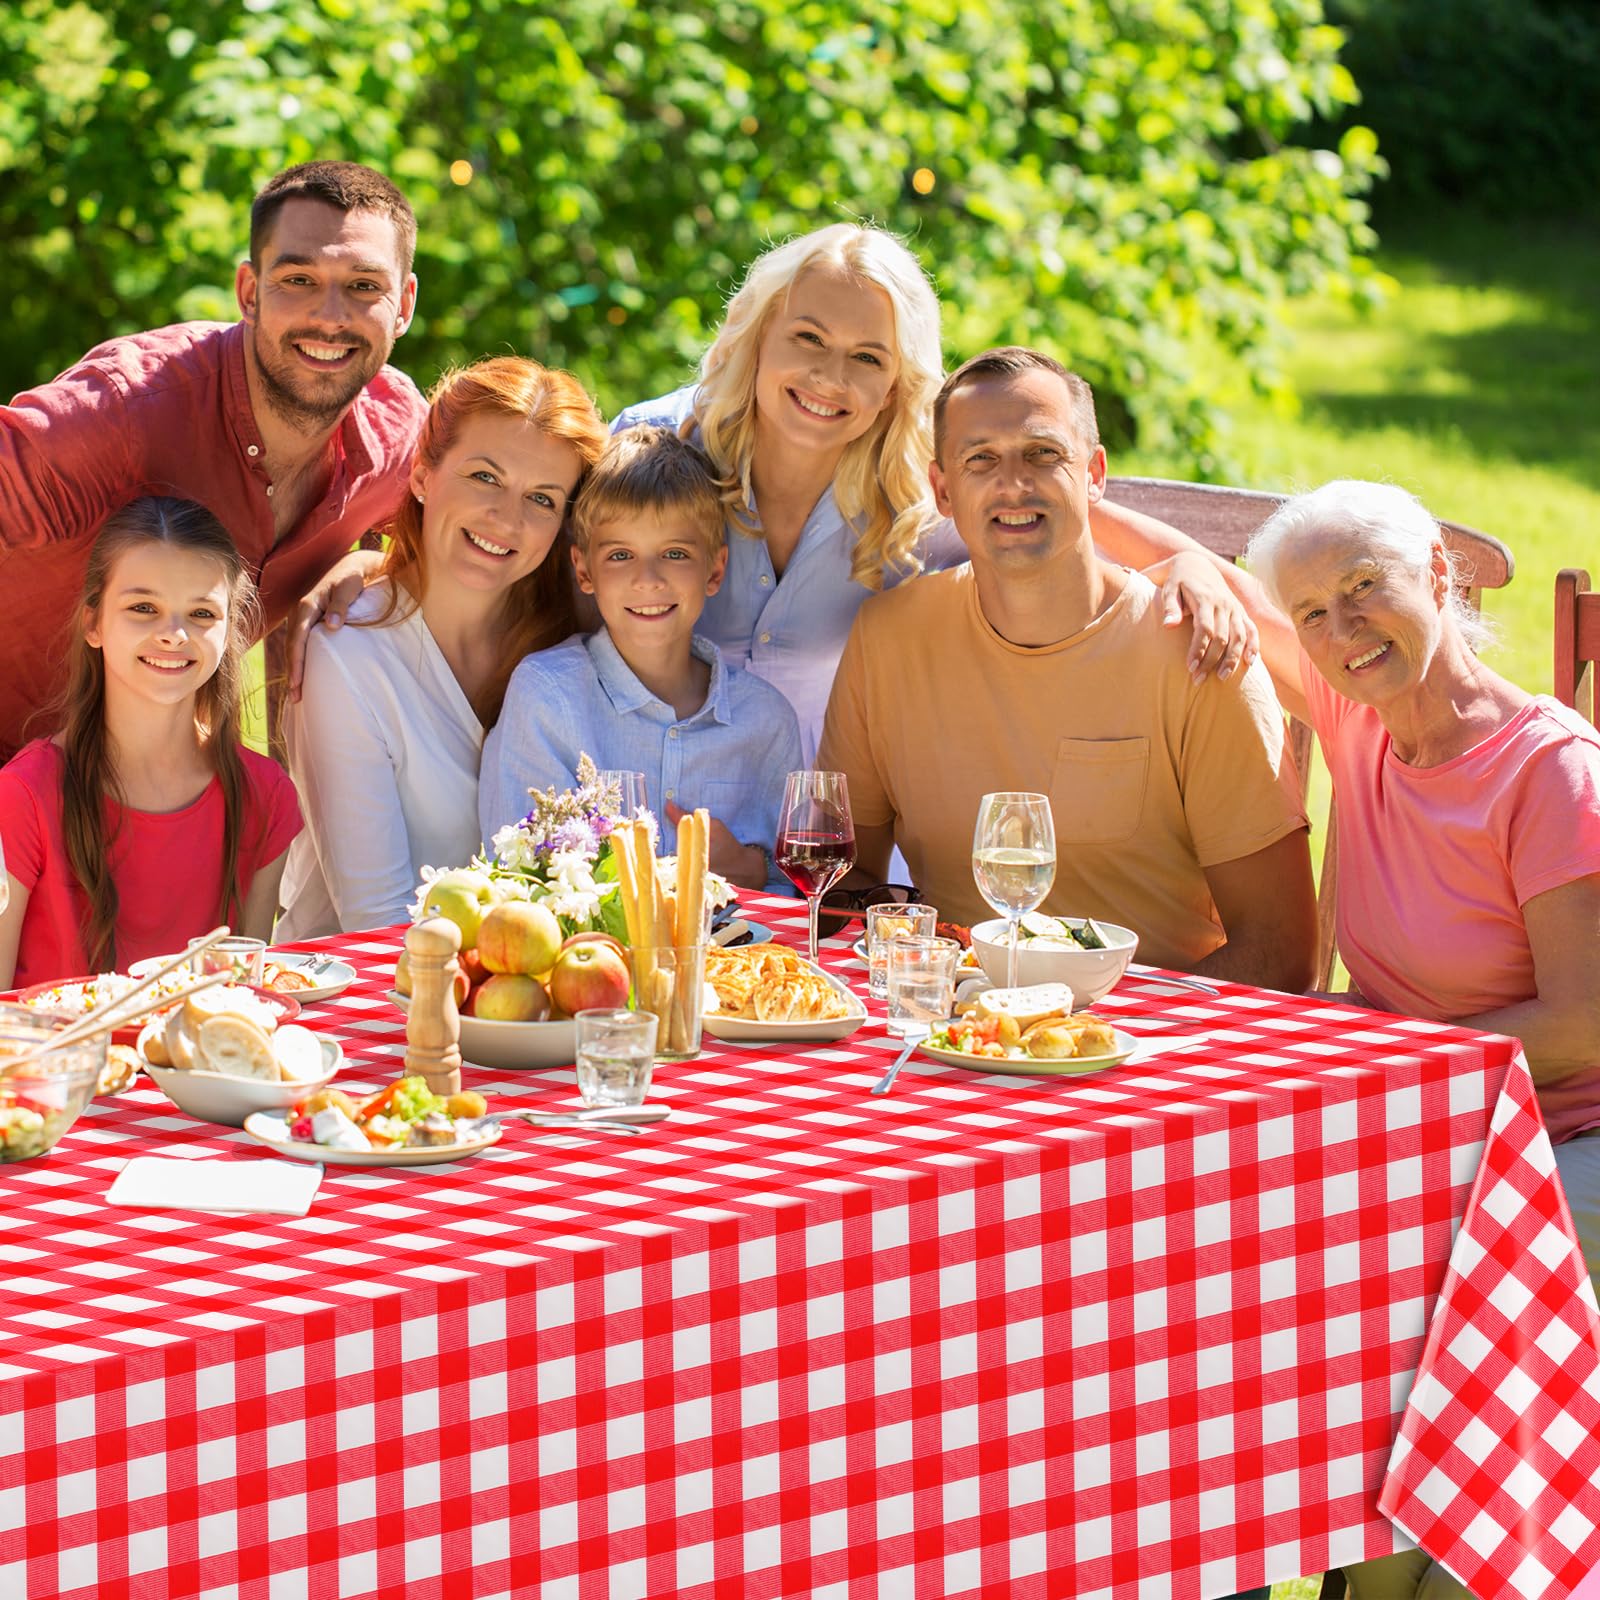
1148,1333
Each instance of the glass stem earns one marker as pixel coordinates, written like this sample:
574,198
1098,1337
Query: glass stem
813,906
1011,954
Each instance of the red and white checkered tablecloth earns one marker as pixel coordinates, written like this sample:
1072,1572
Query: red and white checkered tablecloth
1141,1334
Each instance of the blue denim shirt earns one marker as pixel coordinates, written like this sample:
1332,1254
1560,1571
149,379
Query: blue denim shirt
791,630
731,756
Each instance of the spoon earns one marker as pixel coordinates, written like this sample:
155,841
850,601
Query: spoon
886,1082
573,1125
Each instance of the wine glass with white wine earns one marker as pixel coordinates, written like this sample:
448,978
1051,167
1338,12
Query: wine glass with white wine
1014,858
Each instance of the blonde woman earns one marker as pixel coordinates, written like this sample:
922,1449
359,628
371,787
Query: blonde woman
815,405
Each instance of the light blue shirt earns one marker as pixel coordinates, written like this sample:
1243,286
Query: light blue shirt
731,756
791,630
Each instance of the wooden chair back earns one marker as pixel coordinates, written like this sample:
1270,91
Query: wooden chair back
1577,642
1223,520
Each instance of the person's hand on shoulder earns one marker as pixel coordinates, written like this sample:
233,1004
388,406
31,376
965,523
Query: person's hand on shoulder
328,603
1225,640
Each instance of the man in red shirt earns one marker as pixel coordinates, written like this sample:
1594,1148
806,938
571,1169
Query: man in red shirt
287,424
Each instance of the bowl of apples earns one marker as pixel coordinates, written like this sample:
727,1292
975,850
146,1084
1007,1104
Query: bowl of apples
521,982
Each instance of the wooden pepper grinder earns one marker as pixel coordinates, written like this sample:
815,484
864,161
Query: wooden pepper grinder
433,1025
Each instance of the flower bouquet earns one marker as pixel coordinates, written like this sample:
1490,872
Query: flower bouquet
542,919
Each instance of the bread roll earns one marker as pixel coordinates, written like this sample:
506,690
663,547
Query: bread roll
236,1048
1027,1005
179,1041
298,1052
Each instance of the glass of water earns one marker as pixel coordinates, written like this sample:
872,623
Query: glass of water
616,1050
922,983
886,920
244,960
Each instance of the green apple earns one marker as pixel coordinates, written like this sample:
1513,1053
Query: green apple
460,904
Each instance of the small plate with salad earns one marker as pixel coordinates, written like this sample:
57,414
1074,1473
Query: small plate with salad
403,1125
1031,1032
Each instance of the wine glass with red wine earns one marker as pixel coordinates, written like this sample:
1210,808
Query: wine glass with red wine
816,838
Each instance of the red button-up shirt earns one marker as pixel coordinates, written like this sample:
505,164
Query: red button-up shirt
167,412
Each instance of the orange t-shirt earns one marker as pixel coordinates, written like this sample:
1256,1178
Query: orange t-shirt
1151,777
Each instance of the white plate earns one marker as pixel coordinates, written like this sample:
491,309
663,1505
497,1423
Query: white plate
336,976
967,963
511,1046
741,1030
271,1128
214,1097
1027,1067
332,976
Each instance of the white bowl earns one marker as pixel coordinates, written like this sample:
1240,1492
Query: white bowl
511,1046
214,1097
1090,974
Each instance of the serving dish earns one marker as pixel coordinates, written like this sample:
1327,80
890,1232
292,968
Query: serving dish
271,1128
1028,1066
1090,974
214,1097
744,1030
73,997
511,1046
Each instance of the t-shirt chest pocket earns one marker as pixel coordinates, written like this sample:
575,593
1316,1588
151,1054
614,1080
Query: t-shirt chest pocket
1097,791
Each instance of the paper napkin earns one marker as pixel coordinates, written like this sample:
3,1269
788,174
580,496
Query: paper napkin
279,1188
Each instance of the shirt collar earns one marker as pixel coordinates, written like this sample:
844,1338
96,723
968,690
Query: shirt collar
625,692
354,436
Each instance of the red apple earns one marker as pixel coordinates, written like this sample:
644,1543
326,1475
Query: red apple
518,936
475,970
591,934
511,997
589,975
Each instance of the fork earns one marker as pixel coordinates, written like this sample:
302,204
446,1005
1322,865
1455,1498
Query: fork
886,1082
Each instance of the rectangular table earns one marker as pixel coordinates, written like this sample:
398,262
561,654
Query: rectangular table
1150,1332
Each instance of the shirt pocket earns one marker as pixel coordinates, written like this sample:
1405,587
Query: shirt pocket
1097,792
731,800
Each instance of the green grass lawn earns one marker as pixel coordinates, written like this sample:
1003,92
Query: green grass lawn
1477,387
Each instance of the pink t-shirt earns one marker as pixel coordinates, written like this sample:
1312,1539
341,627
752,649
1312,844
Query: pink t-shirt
167,865
1436,863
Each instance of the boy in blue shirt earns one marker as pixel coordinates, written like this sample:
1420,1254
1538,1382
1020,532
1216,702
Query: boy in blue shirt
646,693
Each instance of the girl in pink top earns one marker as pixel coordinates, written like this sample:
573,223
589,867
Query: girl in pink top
1469,823
142,822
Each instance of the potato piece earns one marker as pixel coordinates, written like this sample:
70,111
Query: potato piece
469,1103
330,1100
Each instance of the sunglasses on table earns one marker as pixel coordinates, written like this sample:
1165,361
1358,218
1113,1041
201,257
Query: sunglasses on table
841,907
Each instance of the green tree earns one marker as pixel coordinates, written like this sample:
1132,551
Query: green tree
1112,179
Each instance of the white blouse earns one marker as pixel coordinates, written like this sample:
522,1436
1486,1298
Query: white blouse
383,748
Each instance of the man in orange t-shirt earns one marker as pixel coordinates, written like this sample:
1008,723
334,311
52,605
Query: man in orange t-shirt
1042,666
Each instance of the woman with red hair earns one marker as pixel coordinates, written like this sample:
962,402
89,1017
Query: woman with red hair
385,738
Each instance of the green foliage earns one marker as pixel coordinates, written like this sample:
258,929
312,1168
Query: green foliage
1113,179
1491,102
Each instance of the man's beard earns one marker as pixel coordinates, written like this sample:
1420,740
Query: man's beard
296,396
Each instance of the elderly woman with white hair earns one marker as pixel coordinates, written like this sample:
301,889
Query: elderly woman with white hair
1468,823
